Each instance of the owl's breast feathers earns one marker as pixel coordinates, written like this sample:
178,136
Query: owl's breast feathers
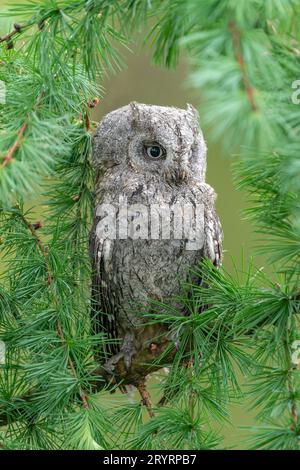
132,277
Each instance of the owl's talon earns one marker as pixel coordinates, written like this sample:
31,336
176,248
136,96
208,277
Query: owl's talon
128,350
110,365
124,354
127,356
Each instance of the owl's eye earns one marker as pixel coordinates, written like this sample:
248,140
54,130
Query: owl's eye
154,151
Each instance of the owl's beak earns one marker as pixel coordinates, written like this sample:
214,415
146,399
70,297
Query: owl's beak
177,175
180,175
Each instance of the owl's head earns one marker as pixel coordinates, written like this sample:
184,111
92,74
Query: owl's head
152,140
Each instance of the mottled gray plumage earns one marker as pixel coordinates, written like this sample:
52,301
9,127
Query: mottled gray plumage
130,272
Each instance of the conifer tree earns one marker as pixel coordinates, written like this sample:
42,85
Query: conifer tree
53,394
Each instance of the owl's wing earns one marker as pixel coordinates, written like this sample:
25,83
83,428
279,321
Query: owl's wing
213,236
103,309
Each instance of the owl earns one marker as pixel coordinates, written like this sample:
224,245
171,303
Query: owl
154,220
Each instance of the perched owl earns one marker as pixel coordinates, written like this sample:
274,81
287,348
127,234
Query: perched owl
154,220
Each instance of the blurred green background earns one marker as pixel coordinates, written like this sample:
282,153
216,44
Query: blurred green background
144,82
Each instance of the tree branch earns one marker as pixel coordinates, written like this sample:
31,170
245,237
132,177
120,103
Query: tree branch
146,398
236,38
8,37
101,379
10,154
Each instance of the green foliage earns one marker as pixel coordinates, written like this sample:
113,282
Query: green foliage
175,428
244,57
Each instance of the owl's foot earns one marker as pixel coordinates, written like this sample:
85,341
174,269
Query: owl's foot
126,353
128,350
110,365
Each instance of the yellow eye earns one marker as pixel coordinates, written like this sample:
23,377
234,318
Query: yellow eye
154,151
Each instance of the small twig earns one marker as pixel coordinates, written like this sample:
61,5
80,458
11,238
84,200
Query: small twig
8,37
87,121
146,398
10,154
236,37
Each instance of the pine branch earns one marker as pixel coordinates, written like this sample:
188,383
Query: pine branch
44,251
146,398
236,38
99,380
10,154
20,135
8,37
